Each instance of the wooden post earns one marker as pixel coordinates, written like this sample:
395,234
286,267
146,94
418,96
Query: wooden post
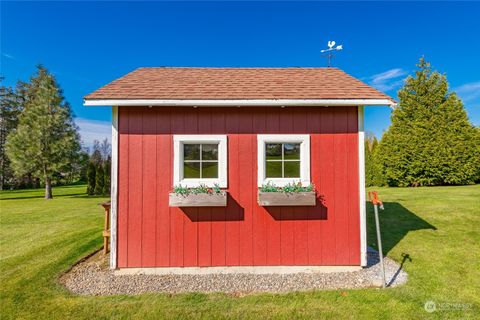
106,227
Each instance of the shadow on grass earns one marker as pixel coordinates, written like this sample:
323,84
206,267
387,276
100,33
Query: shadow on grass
43,196
84,195
396,222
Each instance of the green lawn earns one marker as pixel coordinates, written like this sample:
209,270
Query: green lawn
437,228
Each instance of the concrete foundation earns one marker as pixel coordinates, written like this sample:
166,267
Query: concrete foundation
233,270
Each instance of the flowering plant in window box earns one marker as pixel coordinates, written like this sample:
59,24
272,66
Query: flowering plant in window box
294,194
201,196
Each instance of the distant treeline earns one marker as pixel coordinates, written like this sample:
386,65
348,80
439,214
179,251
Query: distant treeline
99,169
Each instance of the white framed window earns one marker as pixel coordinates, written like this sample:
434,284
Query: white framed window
200,159
283,159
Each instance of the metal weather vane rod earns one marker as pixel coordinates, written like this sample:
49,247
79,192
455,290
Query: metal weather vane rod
330,50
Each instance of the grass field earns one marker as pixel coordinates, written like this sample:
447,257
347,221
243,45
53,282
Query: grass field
434,231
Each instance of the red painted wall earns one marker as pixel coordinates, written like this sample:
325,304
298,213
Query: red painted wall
151,234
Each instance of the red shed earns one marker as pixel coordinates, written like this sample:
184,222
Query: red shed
241,133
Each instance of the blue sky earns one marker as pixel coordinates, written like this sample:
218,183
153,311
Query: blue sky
88,44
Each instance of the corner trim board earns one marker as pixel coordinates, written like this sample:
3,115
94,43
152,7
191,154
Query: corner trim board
114,191
361,186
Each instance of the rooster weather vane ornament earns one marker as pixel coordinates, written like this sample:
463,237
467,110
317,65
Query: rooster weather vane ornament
330,50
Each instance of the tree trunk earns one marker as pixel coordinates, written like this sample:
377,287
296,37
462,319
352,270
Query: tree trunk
48,188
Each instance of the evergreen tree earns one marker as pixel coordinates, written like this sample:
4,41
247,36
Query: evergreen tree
11,104
91,179
72,170
378,178
96,156
105,149
99,180
430,140
107,173
368,160
46,135
373,167
477,129
83,162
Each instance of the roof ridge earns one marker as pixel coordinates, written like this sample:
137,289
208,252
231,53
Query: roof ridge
236,68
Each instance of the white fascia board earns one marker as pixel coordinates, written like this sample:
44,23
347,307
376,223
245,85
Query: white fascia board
241,102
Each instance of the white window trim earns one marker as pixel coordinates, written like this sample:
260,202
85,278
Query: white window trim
179,140
303,139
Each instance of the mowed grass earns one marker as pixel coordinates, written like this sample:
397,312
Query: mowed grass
434,231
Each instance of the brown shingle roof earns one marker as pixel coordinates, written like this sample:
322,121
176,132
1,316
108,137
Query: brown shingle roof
236,83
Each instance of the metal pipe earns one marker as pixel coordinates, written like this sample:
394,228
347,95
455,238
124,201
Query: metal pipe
380,250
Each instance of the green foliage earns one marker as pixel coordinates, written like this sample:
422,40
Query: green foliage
477,130
11,104
99,180
202,188
373,166
297,187
100,162
96,157
46,137
106,174
91,173
99,169
180,190
430,141
83,166
75,169
216,188
269,187
289,188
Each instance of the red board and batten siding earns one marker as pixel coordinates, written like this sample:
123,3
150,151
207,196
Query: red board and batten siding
151,234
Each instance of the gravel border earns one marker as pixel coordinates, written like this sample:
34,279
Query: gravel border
92,276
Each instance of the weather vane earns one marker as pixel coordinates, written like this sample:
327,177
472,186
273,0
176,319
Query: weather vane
330,50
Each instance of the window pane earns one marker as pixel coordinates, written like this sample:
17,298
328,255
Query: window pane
209,151
291,151
191,170
191,152
209,170
273,151
274,169
292,169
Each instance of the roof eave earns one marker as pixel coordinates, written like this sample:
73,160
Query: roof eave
239,102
